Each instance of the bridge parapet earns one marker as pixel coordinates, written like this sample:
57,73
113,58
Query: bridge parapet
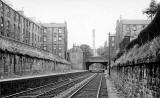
97,59
100,60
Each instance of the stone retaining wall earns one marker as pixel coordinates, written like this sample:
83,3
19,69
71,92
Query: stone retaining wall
16,64
138,81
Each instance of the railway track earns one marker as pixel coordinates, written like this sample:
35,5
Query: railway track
94,88
50,90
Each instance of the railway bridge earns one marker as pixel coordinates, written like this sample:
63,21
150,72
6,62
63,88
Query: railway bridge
96,59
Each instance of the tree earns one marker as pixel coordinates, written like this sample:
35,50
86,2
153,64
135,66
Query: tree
103,51
100,51
87,51
151,11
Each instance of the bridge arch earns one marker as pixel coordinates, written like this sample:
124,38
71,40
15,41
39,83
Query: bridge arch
93,60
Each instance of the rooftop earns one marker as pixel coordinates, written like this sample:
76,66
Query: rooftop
125,21
54,24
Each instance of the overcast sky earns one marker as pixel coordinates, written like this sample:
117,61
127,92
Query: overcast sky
84,15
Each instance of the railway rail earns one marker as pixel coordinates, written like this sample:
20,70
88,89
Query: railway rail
16,85
49,90
94,88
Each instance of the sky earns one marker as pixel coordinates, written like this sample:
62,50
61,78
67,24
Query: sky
82,16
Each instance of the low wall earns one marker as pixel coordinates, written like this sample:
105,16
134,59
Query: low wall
138,81
20,59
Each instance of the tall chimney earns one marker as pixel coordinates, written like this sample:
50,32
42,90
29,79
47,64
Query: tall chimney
94,49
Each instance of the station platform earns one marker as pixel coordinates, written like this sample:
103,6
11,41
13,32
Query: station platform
39,75
111,89
7,86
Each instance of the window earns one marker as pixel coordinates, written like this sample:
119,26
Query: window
112,44
45,38
1,7
8,28
24,35
5,65
45,47
24,23
1,65
8,11
1,21
19,19
1,4
60,48
15,31
45,30
59,30
18,33
134,28
39,39
32,39
60,54
35,37
55,40
14,16
60,38
112,38
1,25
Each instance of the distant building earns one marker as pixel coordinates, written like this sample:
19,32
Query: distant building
55,38
112,43
124,43
129,28
76,57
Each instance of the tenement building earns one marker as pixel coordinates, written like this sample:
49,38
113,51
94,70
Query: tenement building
129,28
21,48
55,38
112,44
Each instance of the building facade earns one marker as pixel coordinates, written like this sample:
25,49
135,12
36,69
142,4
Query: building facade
76,57
21,41
55,38
112,45
16,26
129,28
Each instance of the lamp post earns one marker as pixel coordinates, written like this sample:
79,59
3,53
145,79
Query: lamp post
109,54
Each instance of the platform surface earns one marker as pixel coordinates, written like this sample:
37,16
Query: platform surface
41,75
112,91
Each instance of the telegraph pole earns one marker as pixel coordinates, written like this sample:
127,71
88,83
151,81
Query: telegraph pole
109,54
94,49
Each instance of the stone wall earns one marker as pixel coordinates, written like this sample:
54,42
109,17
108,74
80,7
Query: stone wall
138,81
16,64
